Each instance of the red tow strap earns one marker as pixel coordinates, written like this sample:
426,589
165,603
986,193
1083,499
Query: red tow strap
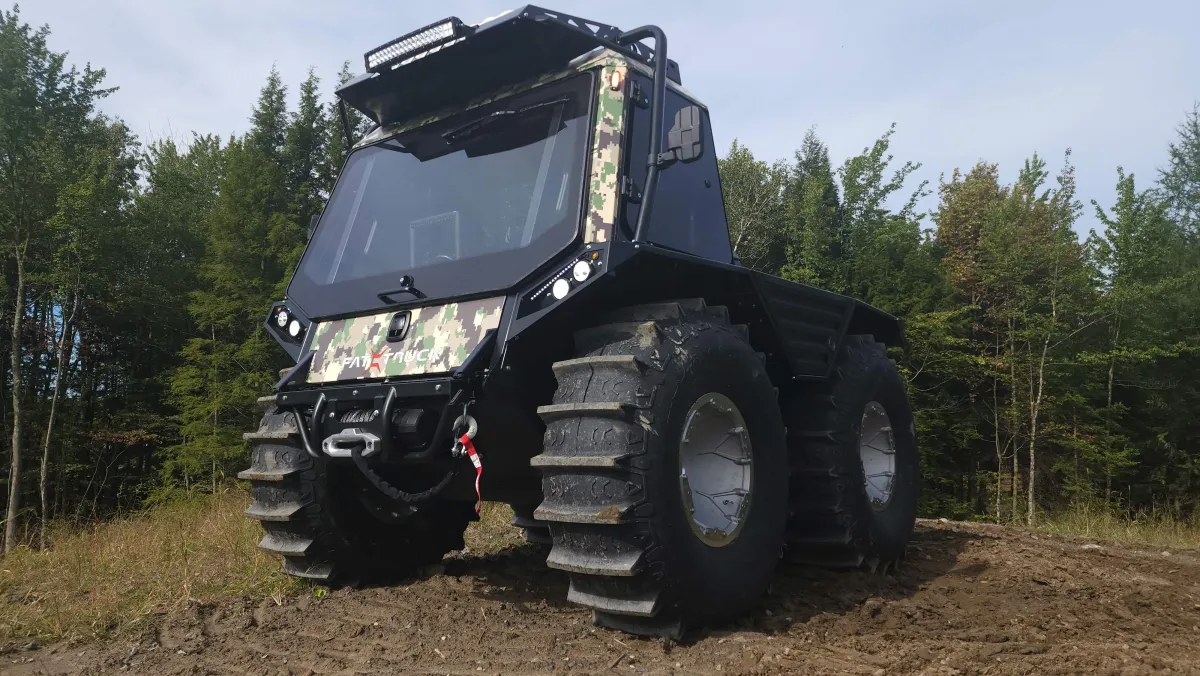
474,456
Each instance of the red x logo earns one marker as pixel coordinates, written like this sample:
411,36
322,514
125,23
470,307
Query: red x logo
375,357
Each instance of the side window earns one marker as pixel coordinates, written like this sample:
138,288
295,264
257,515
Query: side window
689,214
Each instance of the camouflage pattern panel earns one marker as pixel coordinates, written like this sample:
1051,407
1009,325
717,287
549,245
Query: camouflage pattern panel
606,153
439,339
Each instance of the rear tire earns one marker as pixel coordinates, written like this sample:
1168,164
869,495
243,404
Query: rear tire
613,494
840,517
326,522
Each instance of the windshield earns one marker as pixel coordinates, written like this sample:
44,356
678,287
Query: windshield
469,204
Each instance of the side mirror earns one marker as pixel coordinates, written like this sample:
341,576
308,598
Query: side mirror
685,140
312,225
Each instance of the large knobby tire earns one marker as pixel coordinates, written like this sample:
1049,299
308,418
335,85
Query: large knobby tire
613,494
840,517
326,522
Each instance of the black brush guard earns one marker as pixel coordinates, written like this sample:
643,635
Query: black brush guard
324,408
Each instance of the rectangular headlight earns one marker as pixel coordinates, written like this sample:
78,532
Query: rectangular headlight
426,38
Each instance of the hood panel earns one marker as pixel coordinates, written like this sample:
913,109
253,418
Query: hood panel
439,339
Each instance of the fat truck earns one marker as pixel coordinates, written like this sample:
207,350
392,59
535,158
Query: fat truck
522,290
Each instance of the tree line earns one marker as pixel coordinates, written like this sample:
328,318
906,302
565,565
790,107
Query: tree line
136,277
1043,367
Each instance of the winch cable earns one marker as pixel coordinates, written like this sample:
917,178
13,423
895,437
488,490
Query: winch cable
393,492
462,447
464,442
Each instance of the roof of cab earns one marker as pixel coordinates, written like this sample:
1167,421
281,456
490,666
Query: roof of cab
510,48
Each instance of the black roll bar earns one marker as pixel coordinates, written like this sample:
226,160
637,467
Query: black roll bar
657,100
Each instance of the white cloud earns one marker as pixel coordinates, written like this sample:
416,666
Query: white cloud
964,81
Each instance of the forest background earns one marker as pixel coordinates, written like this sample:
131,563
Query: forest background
1047,368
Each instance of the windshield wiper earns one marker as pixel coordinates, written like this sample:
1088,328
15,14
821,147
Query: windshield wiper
474,127
406,286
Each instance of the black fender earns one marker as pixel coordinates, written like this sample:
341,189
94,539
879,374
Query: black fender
800,328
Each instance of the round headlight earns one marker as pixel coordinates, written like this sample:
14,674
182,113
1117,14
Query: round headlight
561,288
281,319
581,271
294,328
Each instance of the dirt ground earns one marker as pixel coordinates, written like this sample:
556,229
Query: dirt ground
970,599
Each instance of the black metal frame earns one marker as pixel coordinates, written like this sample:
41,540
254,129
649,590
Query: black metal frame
624,42
459,387
627,43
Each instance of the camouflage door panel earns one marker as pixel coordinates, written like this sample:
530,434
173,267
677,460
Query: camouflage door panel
610,123
439,339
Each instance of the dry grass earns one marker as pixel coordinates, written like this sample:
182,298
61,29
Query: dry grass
111,579
494,531
1098,522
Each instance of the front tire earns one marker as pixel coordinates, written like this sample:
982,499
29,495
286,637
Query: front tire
328,524
611,464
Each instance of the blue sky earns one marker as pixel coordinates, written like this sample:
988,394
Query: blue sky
963,81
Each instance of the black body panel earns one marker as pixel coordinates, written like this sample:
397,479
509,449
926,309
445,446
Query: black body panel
798,327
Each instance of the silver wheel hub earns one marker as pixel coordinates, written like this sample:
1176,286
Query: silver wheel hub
877,450
715,469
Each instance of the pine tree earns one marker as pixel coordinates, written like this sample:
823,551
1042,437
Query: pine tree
250,247
815,239
268,123
305,151
1181,178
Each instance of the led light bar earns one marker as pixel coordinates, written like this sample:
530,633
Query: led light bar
434,35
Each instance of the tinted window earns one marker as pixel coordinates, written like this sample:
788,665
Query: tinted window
465,205
689,213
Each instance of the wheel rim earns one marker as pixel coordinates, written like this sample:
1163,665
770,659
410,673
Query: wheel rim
715,469
877,449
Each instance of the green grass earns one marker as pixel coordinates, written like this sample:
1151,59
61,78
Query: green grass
1096,521
111,579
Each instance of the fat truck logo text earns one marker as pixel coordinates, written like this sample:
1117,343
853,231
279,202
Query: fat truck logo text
378,360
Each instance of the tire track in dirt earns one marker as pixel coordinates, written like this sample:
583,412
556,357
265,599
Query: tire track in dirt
970,599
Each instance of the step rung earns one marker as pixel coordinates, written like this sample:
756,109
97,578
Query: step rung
269,435
574,561
280,512
642,605
545,460
309,570
620,361
607,515
267,474
288,546
603,409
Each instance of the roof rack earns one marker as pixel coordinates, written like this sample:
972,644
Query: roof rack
406,77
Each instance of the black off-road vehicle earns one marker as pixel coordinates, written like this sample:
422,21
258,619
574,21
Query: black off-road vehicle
526,266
